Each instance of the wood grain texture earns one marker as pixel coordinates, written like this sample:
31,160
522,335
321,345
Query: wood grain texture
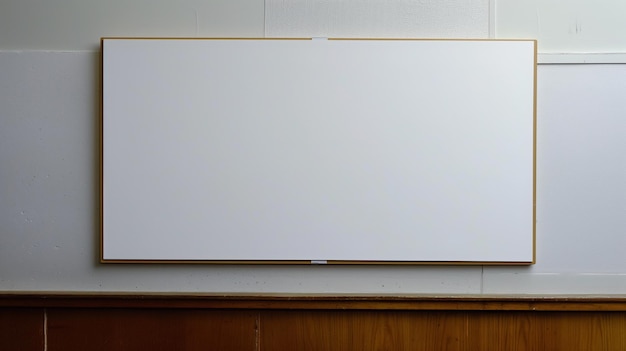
193,322
547,331
500,331
362,330
21,329
580,331
139,329
435,330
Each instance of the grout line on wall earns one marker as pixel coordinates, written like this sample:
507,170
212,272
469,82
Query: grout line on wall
45,329
257,332
482,277
25,51
492,19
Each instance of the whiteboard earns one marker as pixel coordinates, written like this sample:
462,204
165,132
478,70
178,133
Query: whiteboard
318,151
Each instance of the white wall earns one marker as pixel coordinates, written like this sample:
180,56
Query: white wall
567,31
49,200
78,24
565,26
377,19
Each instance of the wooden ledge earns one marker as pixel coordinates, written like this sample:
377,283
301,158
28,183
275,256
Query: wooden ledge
314,302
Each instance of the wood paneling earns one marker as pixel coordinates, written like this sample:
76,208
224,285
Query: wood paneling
580,331
568,331
429,330
500,331
21,329
156,322
139,329
362,330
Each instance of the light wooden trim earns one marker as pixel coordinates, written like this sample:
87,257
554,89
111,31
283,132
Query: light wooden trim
535,158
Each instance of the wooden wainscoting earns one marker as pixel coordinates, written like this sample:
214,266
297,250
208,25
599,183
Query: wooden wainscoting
62,321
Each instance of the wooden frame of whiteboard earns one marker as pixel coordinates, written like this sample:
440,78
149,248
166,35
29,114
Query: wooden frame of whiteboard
106,259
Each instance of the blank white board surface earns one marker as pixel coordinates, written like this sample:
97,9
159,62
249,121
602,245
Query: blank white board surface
318,150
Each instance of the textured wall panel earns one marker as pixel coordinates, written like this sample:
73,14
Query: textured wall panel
377,19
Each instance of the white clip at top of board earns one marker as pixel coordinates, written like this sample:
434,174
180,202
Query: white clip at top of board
319,262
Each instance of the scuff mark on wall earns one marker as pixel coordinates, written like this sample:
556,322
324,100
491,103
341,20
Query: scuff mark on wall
576,27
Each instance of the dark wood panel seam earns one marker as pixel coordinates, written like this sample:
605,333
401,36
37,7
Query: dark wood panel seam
316,302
